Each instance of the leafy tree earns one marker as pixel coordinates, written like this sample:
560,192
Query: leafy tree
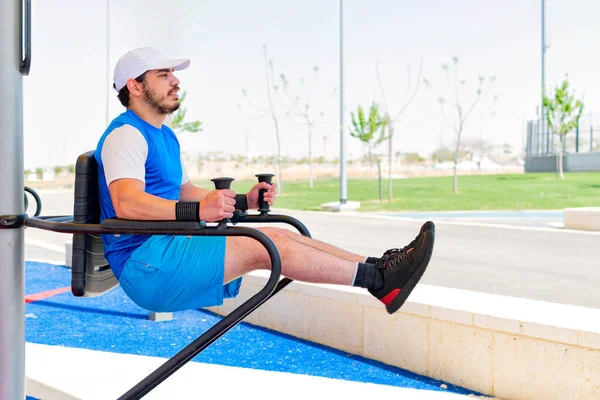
178,125
412,158
562,114
370,131
442,154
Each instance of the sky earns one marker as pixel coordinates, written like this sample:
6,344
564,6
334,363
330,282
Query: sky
76,44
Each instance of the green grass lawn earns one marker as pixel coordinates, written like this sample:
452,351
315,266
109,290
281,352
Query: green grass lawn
531,191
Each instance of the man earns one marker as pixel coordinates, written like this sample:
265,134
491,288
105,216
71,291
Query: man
141,177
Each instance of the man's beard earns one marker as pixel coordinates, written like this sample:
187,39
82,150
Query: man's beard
158,102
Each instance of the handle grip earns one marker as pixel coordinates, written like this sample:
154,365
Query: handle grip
263,206
26,37
222,183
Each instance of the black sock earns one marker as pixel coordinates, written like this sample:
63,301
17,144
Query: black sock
372,260
368,276
364,275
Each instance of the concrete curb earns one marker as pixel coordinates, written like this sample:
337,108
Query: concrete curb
497,345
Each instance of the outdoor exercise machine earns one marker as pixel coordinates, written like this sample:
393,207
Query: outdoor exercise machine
91,275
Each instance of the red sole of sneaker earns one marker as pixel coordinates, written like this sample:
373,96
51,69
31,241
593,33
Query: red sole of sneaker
414,279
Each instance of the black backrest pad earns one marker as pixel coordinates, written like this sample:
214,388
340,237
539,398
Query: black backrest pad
91,275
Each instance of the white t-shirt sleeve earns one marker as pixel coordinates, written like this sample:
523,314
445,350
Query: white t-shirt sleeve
184,175
124,154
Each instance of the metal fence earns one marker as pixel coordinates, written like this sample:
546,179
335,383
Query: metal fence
584,139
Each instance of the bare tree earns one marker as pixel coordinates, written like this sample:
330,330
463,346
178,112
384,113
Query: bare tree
391,122
300,106
246,144
325,139
271,112
456,101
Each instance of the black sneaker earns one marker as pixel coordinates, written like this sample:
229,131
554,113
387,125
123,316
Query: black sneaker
403,268
427,226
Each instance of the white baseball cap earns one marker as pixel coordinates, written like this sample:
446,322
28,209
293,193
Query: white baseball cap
135,62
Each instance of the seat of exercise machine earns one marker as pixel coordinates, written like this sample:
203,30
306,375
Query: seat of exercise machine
90,275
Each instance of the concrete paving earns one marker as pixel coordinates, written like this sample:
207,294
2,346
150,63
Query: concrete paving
55,372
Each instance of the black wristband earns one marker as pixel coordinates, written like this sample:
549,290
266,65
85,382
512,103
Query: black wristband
241,202
187,211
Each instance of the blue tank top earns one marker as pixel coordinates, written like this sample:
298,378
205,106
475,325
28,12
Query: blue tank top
163,179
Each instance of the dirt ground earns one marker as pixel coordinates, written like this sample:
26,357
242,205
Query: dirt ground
292,172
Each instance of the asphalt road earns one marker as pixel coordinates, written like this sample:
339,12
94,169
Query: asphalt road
520,257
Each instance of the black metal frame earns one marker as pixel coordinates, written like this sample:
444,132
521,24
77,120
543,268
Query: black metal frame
36,197
64,224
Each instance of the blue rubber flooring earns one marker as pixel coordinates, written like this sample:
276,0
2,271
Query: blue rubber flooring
113,323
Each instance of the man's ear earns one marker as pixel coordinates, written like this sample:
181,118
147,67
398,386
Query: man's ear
135,87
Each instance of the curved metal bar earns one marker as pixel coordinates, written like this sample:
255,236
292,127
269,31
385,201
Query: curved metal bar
65,224
36,197
286,219
25,64
220,328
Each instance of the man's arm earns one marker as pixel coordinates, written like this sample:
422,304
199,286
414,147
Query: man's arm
124,155
130,201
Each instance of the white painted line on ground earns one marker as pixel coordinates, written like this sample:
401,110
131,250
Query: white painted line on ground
45,245
53,191
441,221
58,263
517,227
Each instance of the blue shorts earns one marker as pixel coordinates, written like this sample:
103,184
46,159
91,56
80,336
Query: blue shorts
174,273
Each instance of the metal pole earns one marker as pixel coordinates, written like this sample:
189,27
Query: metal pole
539,138
544,74
526,143
343,179
12,275
108,85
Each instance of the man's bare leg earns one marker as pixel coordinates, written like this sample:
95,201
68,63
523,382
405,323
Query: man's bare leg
310,262
298,261
336,251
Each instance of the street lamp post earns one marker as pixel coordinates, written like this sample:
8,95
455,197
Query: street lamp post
15,56
108,77
343,179
543,111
